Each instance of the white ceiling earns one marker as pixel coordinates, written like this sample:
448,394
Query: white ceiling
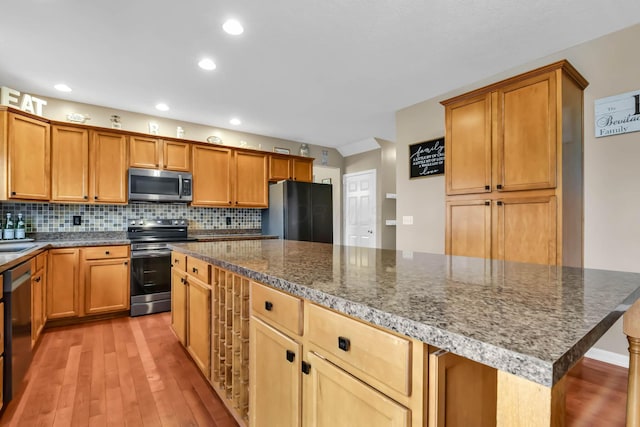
326,72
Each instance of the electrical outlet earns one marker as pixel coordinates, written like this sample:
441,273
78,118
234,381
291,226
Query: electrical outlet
77,220
228,220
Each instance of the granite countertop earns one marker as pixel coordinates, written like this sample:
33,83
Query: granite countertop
534,321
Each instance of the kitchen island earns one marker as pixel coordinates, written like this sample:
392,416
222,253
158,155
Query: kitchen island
531,323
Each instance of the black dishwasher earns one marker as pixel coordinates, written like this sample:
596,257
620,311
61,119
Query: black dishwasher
17,327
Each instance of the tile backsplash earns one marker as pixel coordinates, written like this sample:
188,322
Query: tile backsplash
55,217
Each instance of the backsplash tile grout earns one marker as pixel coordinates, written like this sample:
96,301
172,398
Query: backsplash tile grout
56,217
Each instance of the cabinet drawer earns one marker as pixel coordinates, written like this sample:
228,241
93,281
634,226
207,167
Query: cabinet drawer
179,261
200,269
379,354
105,252
282,310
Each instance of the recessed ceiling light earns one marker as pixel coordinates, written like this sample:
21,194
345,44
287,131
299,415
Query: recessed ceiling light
62,87
233,27
235,121
207,64
162,107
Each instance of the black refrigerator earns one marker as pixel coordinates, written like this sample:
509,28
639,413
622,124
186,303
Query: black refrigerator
299,211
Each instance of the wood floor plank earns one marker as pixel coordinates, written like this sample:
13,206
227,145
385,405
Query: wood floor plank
133,371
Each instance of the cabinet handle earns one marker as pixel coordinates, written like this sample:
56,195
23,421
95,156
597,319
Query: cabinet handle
268,305
176,261
344,343
126,263
290,356
106,252
13,193
487,187
157,164
195,270
499,186
306,367
95,197
499,203
38,279
86,197
487,203
229,201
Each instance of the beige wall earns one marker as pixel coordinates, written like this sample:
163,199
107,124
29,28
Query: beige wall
57,109
612,176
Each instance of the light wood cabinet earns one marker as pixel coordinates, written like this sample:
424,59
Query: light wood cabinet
275,377
88,281
461,392
106,285
62,290
250,183
199,323
225,177
211,176
28,158
108,165
179,304
290,168
333,398
154,153
514,168
69,164
38,296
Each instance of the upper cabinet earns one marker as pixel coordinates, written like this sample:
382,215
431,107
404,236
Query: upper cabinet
25,143
514,167
250,183
69,164
108,163
283,167
154,153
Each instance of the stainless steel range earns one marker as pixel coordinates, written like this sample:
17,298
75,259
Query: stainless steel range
151,262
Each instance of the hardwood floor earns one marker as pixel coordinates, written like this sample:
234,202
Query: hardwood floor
133,371
125,371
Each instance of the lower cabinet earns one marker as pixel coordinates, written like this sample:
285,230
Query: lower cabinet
179,304
334,398
88,281
275,361
199,324
38,296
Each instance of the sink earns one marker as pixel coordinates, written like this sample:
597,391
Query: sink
15,247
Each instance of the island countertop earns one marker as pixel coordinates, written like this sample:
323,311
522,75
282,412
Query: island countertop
534,321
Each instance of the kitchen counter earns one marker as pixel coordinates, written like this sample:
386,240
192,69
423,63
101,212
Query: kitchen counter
533,321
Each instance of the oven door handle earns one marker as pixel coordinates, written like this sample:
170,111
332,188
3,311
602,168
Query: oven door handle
150,254
179,186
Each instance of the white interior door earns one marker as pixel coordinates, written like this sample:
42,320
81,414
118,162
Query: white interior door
360,209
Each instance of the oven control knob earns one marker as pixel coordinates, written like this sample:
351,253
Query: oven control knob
175,222
159,221
141,222
182,222
133,222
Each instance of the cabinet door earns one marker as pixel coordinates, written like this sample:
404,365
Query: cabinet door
468,146
179,305
251,185
527,136
461,392
199,324
468,228
302,170
279,168
144,152
37,322
526,230
108,153
106,285
211,176
333,398
29,158
69,164
176,156
274,377
62,290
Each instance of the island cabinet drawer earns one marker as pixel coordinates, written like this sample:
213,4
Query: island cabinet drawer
101,252
381,355
179,261
282,310
200,269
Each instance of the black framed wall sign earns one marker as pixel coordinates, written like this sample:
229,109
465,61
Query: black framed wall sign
426,158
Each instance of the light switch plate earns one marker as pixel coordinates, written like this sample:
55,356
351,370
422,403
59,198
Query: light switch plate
407,220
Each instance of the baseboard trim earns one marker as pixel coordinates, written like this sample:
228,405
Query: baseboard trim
608,357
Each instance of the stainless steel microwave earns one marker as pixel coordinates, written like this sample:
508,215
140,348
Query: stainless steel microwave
154,185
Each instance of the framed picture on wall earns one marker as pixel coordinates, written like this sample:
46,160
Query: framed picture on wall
326,180
426,158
